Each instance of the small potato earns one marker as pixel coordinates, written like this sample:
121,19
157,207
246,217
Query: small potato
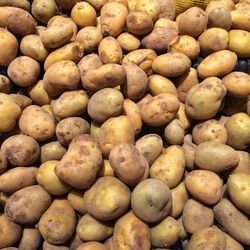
139,23
169,166
94,129
69,128
143,58
3,163
52,151
37,123
131,233
172,64
204,186
217,64
167,9
238,129
21,100
210,130
213,40
47,178
196,216
27,205
91,229
151,7
10,232
244,163
128,163
205,100
58,223
10,45
174,132
106,76
186,45
71,51
17,178
107,199
21,150
183,117
241,19
106,169
76,200
30,240
71,170
128,42
192,22
91,61
179,199
238,43
23,71
113,19
166,233
166,23
5,84
93,245
136,82
89,37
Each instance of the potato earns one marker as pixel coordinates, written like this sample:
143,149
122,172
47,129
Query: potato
213,40
207,238
232,220
10,232
205,100
166,233
61,76
27,205
113,18
3,162
110,98
21,150
143,58
238,42
23,71
21,100
135,84
17,21
131,233
179,198
152,8
139,23
71,51
204,186
128,42
174,132
183,118
30,240
3,199
106,76
167,9
92,245
107,199
172,64
17,178
83,14
71,170
159,39
183,234
58,223
240,19
166,23
97,4
227,4
192,22
219,17
5,84
217,64
91,229
131,110
76,241
169,166
66,4
186,45
238,127
23,4
76,201
243,165
10,45
159,110
52,151
106,169
37,123
91,61
48,246
94,129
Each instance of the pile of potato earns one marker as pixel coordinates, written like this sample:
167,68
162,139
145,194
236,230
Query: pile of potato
111,138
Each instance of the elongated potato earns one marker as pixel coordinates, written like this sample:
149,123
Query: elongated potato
30,240
76,201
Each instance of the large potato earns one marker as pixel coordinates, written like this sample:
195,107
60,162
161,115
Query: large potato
21,150
128,42
107,199
169,166
131,233
52,151
241,19
205,186
71,170
30,240
58,223
27,205
76,201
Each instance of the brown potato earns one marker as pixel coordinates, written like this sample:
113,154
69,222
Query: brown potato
23,71
71,169
52,151
30,240
169,166
48,246
5,84
166,23
204,186
3,162
92,245
21,150
21,100
37,123
244,163
130,232
23,4
76,201
107,190
91,61
240,19
128,42
27,205
174,132
151,7
167,9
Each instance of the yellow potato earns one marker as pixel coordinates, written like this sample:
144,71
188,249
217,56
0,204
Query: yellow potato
52,151
128,42
76,200
174,132
166,23
183,117
151,7
241,19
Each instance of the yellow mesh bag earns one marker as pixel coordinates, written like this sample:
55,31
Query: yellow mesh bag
182,5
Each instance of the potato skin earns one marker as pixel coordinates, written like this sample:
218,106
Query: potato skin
91,61
128,42
52,151
27,205
93,245
131,233
174,132
21,100
3,162
5,84
76,201
30,240
240,19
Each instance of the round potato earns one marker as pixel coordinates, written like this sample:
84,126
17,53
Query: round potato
128,42
76,200
150,7
5,84
240,18
174,132
52,151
